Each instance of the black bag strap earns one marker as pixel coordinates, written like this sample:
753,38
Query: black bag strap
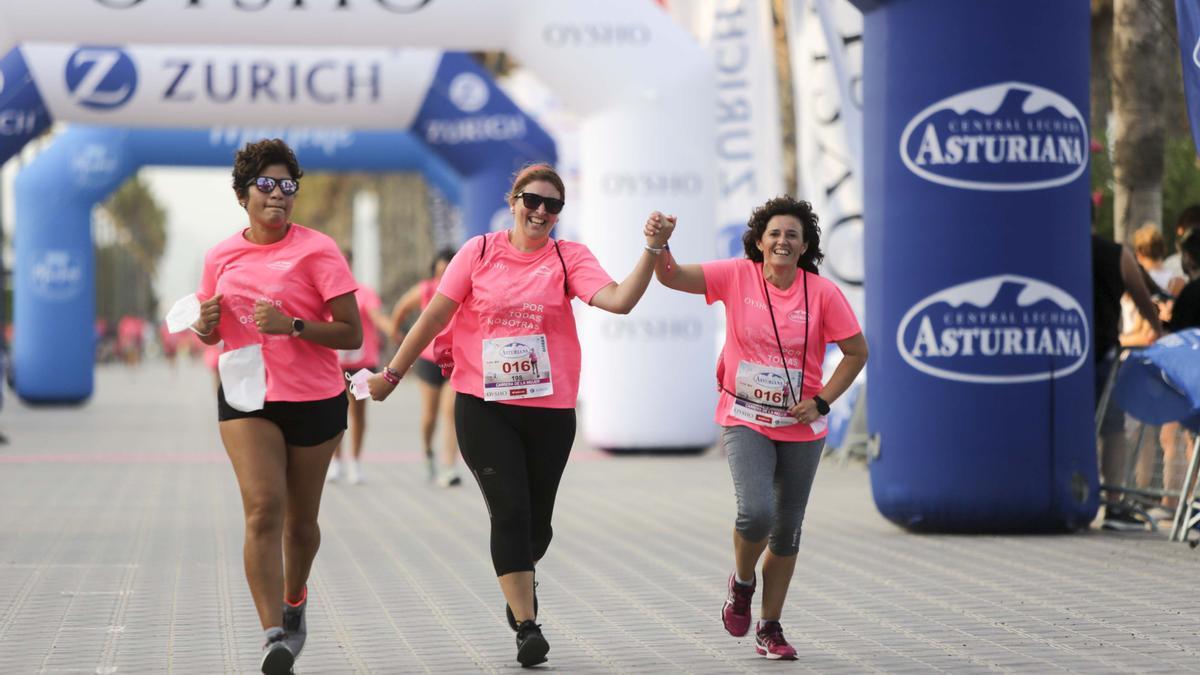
561,261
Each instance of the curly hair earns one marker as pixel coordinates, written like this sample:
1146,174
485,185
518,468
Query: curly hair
785,206
252,159
532,172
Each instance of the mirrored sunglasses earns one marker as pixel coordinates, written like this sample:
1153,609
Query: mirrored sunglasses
266,185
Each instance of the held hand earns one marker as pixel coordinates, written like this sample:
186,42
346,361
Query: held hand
805,411
652,225
210,315
270,320
379,387
658,229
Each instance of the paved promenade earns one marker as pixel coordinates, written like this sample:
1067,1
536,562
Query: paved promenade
120,552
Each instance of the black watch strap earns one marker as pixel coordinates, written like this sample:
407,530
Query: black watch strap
822,406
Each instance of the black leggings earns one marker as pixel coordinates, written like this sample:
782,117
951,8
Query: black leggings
518,455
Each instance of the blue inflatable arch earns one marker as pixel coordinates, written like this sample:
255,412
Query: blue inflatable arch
54,313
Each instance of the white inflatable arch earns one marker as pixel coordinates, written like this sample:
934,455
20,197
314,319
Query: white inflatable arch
645,92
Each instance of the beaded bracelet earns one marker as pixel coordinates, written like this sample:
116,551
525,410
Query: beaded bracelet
391,376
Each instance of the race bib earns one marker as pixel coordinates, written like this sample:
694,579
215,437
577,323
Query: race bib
763,396
516,367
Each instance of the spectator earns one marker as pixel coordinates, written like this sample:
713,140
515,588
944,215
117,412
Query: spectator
1114,272
1188,219
1177,442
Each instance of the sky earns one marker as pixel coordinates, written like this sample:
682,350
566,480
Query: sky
201,211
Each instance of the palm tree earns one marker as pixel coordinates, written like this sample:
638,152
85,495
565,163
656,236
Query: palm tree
1139,83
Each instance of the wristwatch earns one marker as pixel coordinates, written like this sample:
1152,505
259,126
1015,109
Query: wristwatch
298,327
822,406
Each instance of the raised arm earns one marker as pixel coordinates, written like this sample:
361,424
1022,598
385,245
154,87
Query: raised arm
431,322
686,278
621,298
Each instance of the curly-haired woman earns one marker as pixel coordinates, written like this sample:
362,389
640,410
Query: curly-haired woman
780,314
281,297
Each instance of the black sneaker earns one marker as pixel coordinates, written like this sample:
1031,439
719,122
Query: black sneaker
1122,520
531,644
512,620
277,659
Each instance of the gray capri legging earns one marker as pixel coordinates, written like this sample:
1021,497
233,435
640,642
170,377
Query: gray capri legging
772,481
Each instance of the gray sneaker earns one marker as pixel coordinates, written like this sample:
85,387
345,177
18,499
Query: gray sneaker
294,625
277,659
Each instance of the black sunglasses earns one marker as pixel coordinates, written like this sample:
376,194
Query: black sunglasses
532,202
266,185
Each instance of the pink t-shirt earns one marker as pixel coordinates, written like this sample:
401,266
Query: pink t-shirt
366,356
749,336
299,274
428,288
510,293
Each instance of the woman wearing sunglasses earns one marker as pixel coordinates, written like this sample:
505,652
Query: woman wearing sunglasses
510,294
281,297
780,314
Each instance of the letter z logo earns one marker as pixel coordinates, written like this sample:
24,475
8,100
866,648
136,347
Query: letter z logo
101,78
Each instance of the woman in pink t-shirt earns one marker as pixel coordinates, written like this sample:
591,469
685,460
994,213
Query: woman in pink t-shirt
509,294
780,314
435,396
281,297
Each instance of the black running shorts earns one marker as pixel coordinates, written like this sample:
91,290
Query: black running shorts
302,422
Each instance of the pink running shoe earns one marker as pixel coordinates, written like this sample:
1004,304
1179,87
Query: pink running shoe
769,642
735,614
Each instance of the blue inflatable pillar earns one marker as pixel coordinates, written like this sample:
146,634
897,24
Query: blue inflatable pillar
978,285
54,298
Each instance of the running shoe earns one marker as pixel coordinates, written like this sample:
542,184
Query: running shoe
448,478
295,625
512,620
335,471
1122,519
277,659
769,642
354,473
735,614
531,644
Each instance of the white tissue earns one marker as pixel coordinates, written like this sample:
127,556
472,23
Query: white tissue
358,384
183,313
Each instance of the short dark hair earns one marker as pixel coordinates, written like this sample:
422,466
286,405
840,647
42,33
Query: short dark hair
446,254
785,206
252,159
1189,244
1188,218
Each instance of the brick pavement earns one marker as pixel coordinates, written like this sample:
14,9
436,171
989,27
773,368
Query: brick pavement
120,552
